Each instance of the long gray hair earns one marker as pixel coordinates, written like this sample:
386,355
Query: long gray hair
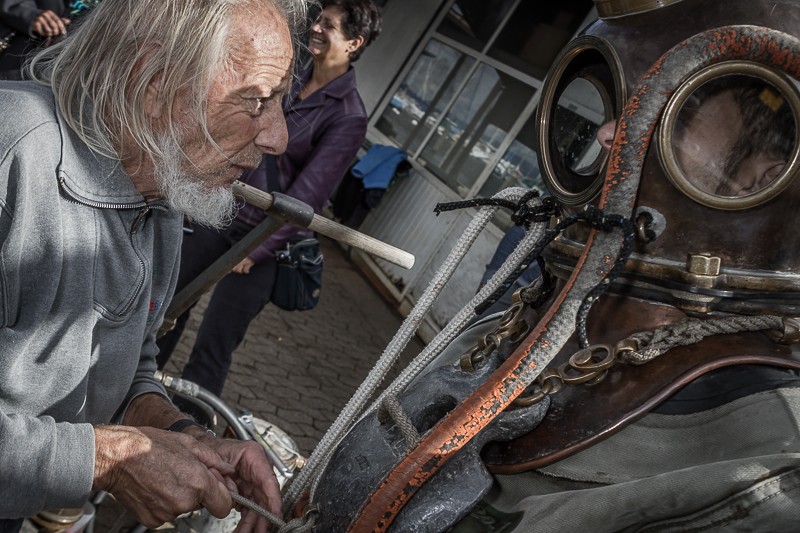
100,72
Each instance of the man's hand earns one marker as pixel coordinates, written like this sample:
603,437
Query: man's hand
245,468
254,479
48,24
158,475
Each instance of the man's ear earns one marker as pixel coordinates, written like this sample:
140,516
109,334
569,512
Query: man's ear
152,101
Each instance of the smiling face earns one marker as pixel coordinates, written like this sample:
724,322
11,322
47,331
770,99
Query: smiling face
244,116
326,40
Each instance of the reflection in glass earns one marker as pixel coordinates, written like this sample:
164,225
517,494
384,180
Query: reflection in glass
579,113
473,129
734,135
536,32
473,22
420,100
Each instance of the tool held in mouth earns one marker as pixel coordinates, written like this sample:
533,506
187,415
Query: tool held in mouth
282,209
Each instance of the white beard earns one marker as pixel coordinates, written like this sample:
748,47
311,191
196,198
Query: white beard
211,207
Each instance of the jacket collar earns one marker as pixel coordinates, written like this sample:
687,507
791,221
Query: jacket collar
92,178
339,88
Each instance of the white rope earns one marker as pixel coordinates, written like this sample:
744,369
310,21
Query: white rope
354,409
296,525
660,340
467,313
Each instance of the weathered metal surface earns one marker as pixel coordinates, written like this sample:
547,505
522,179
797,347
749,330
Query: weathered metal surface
371,449
581,415
634,132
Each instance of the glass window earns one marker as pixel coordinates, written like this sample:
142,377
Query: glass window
536,33
473,22
455,107
579,114
422,97
518,167
468,138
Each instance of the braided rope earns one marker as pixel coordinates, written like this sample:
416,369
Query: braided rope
656,342
296,525
391,408
309,475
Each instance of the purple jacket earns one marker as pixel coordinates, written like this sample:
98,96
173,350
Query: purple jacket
325,131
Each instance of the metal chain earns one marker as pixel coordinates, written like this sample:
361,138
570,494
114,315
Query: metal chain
584,366
511,327
590,365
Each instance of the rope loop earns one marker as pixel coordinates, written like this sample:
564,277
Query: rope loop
391,409
522,214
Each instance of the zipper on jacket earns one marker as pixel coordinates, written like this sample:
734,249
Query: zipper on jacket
75,197
138,222
143,207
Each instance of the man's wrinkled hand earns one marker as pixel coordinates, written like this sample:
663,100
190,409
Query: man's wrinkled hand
254,479
158,475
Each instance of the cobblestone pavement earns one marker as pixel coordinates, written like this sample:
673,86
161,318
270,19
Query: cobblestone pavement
297,370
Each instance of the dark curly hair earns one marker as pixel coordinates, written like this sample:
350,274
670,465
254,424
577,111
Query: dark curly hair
361,18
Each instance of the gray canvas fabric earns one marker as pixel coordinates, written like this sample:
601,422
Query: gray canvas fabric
81,297
733,468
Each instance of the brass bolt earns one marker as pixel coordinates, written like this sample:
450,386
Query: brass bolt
703,264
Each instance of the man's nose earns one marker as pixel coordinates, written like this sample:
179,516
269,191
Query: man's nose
605,135
272,136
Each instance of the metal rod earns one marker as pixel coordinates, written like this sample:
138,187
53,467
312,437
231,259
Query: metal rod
329,228
280,209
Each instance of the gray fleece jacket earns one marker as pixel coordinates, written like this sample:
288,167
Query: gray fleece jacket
85,269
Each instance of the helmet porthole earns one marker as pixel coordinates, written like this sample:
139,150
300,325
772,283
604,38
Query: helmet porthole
728,136
583,91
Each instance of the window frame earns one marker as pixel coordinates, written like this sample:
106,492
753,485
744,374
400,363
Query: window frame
479,57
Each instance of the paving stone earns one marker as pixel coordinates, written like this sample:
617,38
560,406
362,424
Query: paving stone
299,369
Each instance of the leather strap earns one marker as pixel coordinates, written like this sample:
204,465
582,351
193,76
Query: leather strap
581,415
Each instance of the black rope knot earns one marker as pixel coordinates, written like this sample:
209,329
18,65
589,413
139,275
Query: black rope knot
603,221
522,213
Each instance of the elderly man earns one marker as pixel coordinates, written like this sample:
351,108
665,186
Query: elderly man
148,110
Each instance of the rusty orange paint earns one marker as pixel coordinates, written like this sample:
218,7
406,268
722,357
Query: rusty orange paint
480,408
457,428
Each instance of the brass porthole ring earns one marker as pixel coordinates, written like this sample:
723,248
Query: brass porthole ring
673,108
568,66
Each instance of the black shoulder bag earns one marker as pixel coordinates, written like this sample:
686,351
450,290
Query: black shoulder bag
298,280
